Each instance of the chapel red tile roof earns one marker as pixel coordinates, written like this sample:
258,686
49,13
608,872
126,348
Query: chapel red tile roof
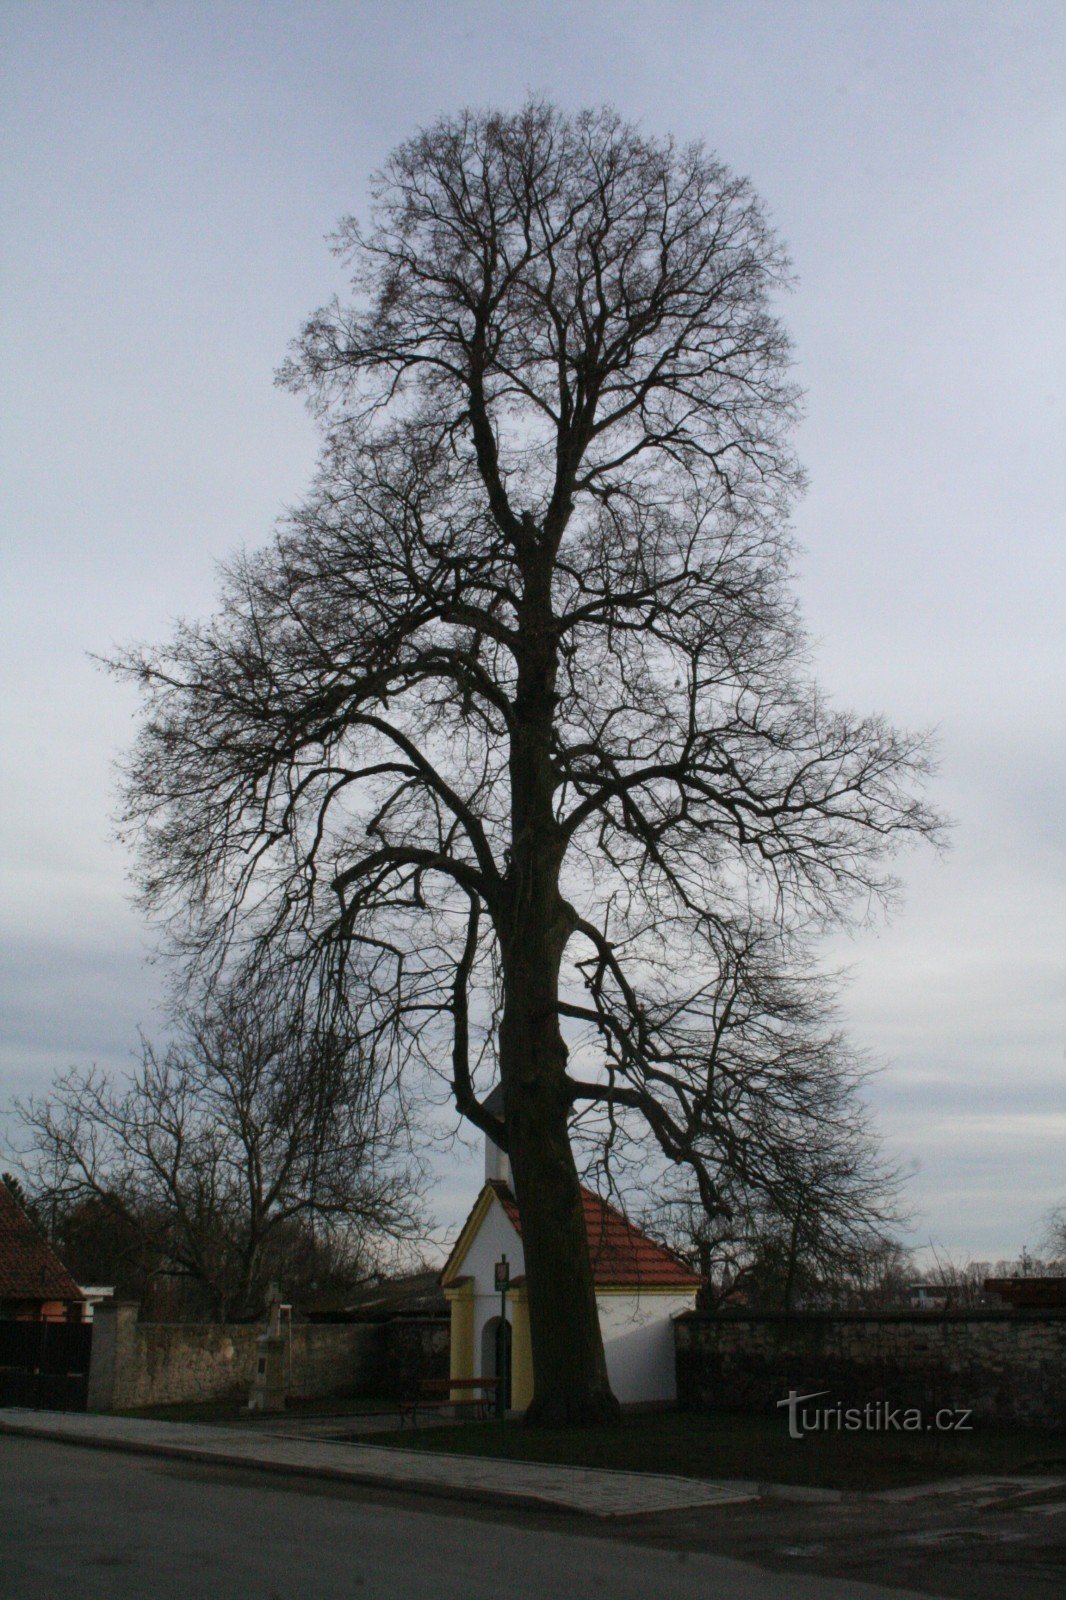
622,1256
29,1267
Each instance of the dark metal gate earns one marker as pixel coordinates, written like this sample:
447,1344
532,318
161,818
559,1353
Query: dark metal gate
45,1364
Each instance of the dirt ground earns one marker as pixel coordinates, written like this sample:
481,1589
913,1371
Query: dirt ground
981,1542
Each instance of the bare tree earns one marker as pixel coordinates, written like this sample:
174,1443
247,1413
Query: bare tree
958,1281
224,1153
806,1210
511,727
766,1262
1053,1238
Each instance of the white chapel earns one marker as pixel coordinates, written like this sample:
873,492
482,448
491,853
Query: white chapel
640,1288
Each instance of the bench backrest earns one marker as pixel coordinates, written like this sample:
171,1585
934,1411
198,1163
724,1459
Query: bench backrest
445,1385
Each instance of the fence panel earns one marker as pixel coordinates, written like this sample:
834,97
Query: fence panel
45,1364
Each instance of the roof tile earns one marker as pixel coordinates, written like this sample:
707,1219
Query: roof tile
622,1256
29,1267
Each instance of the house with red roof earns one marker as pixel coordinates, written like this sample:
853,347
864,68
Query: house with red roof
35,1286
640,1288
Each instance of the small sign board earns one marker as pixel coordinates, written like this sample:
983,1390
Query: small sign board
503,1275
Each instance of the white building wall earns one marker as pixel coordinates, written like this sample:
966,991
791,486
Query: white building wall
495,1237
638,1342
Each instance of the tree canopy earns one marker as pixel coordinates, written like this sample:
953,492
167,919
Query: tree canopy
511,732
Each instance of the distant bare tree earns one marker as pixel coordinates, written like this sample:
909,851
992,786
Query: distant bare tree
512,729
224,1153
1053,1238
959,1281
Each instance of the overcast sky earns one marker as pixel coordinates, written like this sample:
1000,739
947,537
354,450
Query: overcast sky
169,173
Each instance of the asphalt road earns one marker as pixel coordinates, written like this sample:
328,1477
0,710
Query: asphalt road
105,1526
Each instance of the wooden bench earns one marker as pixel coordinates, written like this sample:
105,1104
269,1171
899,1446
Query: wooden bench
475,1395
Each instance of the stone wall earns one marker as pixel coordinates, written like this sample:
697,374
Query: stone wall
415,1348
1005,1366
156,1363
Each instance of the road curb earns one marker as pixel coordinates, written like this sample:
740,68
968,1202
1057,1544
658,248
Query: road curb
354,1476
364,1477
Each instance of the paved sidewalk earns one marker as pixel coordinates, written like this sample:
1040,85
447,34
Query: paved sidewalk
595,1493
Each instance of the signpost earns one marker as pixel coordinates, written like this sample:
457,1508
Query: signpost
503,1279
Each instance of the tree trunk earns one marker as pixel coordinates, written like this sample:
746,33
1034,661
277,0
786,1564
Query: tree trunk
793,1255
570,1382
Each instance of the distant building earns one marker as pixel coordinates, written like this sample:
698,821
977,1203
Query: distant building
96,1294
1026,1293
927,1296
416,1294
35,1286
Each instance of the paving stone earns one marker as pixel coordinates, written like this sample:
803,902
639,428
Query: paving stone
595,1492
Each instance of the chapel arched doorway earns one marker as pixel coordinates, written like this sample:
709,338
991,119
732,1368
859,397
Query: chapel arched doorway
496,1355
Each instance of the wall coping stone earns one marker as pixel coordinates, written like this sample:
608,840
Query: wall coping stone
926,1318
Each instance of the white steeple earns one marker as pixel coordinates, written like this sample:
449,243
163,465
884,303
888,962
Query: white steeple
497,1162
